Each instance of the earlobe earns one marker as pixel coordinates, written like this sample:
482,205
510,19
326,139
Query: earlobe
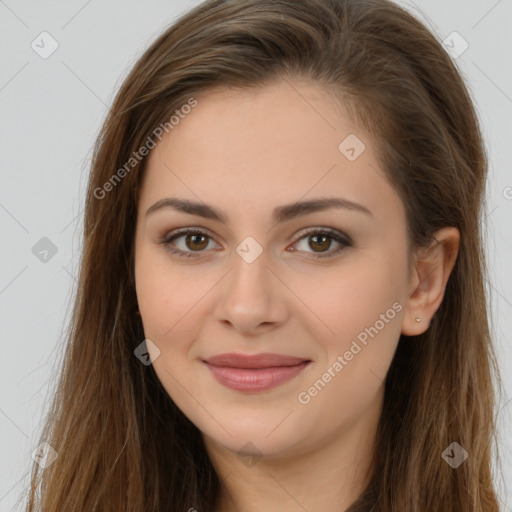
432,268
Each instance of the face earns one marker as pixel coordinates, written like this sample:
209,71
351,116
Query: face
324,284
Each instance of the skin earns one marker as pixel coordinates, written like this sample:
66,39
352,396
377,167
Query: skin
247,152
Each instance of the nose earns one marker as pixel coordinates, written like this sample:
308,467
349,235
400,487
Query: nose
252,297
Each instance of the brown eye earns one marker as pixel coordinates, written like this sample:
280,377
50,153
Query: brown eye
192,242
320,241
187,242
196,241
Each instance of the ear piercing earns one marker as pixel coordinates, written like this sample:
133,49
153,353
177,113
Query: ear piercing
418,319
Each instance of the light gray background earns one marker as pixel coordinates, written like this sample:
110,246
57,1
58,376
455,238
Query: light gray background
51,111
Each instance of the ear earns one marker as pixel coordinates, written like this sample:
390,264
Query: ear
429,274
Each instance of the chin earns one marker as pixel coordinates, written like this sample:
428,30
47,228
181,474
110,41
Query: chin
257,439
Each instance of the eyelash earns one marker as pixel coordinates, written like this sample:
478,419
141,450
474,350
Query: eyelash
330,233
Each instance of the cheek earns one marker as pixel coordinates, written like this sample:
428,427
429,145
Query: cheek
343,301
168,296
360,310
169,303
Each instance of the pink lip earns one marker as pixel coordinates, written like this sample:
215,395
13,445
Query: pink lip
254,373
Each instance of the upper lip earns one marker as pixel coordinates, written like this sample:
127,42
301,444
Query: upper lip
254,361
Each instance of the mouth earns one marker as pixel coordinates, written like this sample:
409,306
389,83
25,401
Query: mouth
256,372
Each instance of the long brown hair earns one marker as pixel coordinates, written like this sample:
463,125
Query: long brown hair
122,443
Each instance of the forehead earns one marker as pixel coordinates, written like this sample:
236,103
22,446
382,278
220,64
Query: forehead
274,144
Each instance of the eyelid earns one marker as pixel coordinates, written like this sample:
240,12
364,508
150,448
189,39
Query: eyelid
324,230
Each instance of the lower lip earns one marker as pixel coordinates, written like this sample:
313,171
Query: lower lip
255,379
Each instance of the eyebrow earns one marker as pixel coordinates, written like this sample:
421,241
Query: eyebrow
279,214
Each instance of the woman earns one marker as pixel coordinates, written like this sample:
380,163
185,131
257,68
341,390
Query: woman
281,301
